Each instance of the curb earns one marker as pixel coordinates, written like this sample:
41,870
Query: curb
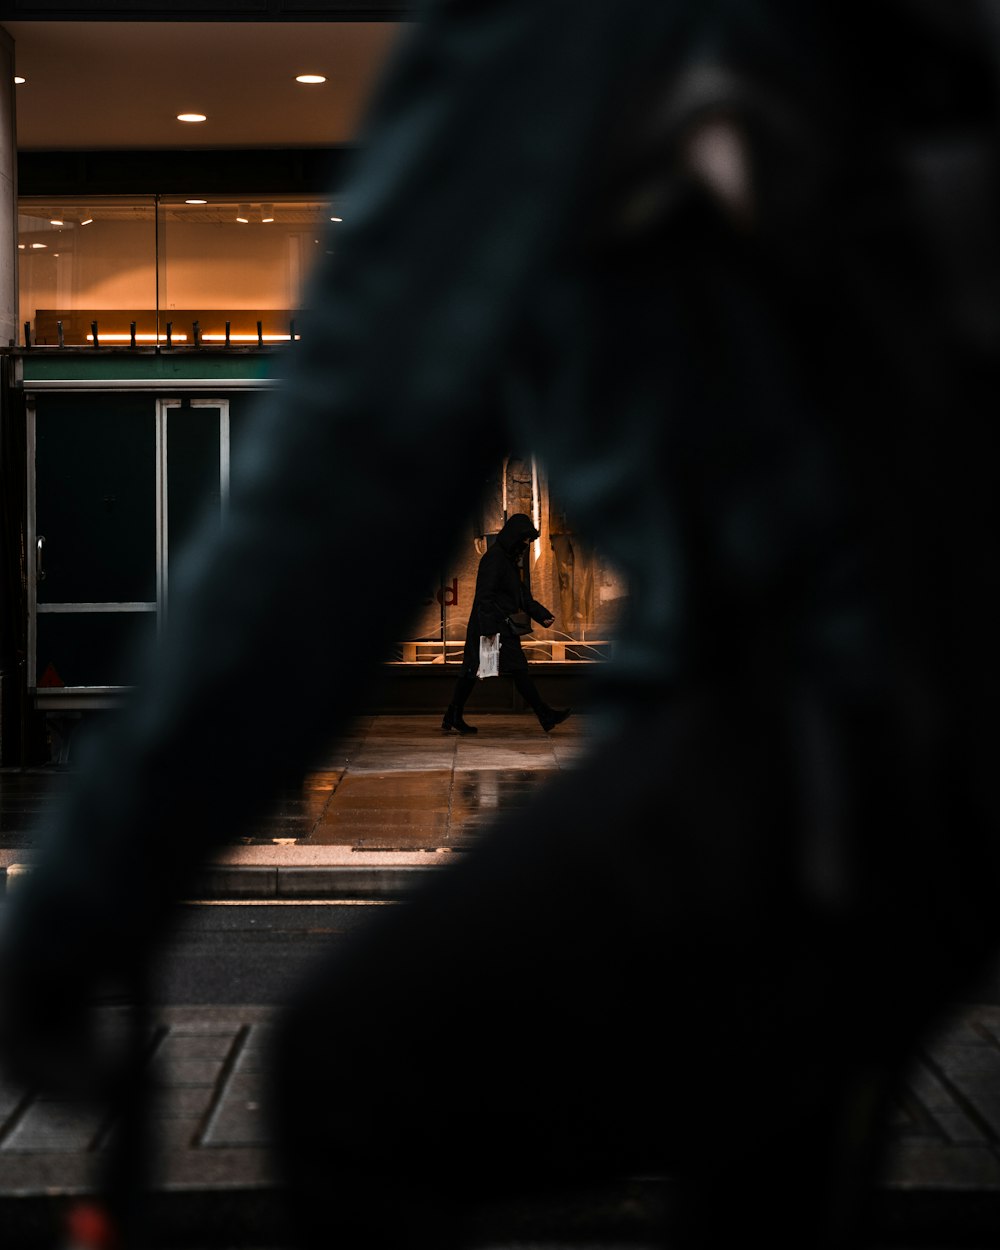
252,882
285,882
241,1216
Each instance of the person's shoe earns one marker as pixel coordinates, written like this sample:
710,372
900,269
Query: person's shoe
553,716
453,720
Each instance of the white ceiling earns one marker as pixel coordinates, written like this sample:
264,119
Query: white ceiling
122,84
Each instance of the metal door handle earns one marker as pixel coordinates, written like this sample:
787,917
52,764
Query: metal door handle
39,553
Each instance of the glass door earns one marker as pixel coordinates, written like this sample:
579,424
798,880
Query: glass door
120,483
192,478
93,536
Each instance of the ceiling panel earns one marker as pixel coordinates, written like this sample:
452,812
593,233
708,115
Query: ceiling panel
121,84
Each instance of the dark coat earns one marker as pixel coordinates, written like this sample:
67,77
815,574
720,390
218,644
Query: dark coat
500,592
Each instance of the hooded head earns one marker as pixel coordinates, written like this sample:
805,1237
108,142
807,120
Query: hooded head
517,533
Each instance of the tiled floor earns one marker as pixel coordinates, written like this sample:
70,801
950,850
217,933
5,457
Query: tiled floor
390,783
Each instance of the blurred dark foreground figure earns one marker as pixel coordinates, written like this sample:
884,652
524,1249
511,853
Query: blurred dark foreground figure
501,595
741,260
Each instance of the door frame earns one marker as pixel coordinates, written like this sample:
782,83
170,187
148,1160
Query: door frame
98,695
163,407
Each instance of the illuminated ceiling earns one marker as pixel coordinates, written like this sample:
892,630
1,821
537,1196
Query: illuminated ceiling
93,85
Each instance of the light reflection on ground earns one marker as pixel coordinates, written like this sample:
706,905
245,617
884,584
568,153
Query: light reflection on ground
391,783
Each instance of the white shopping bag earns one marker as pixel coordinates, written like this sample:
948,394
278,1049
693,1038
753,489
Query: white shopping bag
489,656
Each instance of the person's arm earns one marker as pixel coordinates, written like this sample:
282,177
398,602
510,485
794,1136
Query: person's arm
538,612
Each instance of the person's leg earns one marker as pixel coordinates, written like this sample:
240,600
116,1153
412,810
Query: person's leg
453,718
548,717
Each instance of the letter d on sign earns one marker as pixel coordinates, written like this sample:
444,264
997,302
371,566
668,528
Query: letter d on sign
449,593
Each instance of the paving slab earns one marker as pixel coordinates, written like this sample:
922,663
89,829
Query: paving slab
209,1063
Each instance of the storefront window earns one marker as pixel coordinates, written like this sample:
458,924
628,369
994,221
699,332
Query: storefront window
90,260
564,572
154,270
241,261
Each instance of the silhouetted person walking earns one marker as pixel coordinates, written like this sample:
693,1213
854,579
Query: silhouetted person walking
501,598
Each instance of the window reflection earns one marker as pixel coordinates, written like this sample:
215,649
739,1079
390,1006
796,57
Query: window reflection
242,260
565,572
135,266
84,261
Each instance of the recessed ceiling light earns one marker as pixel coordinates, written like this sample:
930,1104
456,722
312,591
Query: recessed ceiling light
243,214
196,201
267,212
191,117
310,78
18,79
336,219
89,222
36,246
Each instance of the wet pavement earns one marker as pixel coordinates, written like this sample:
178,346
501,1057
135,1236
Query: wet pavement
391,783
393,797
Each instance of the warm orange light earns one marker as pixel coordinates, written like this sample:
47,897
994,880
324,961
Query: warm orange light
310,79
247,338
139,338
191,117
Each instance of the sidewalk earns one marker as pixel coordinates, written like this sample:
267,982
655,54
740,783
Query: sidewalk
216,1183
395,799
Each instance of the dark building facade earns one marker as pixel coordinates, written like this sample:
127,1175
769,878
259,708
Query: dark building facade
149,295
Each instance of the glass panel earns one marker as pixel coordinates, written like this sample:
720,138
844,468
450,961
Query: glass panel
84,261
91,648
216,261
241,411
242,262
564,573
193,488
96,498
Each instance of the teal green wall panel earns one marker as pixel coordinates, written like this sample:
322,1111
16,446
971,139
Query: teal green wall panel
138,366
